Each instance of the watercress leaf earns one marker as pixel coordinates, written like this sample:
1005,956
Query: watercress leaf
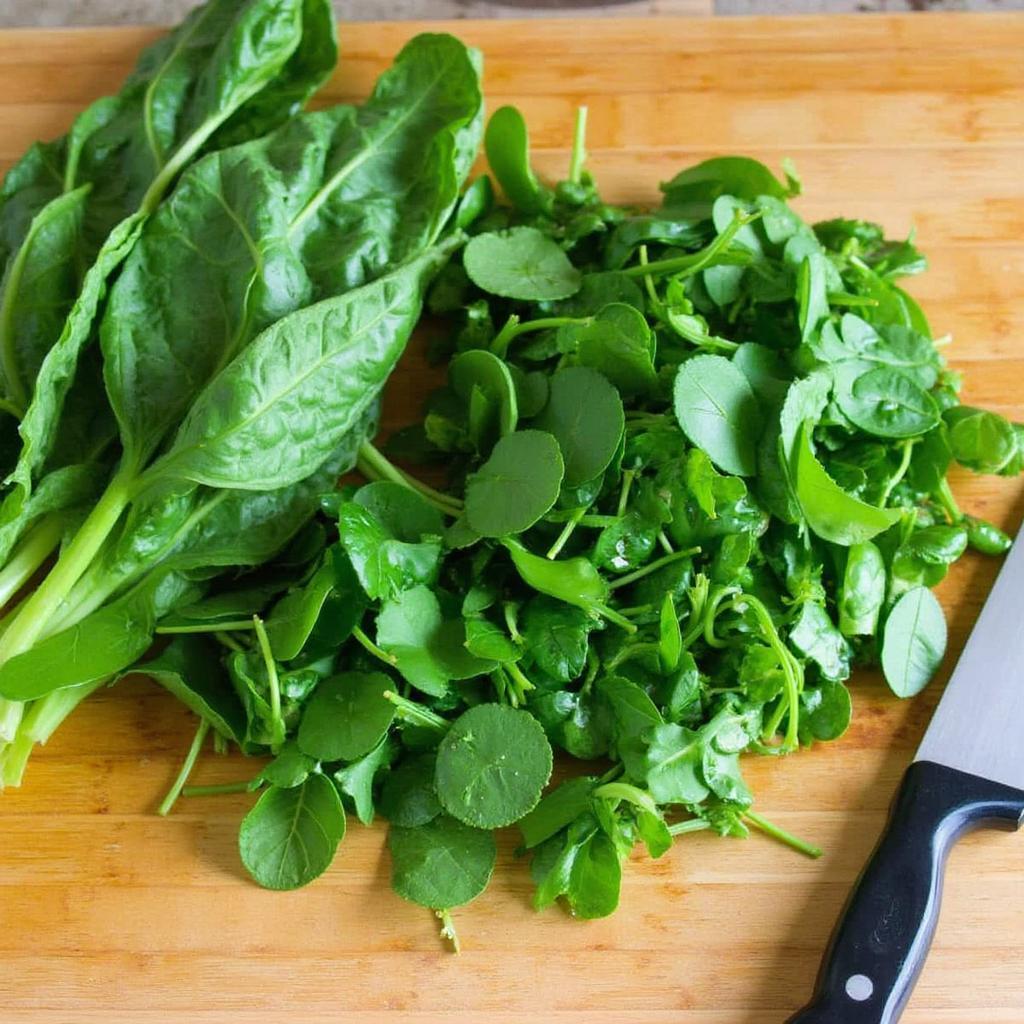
346,717
595,879
291,835
980,440
816,637
766,374
356,780
291,767
483,372
584,413
718,412
883,401
521,263
619,344
189,668
557,637
572,580
556,810
507,145
293,617
407,798
516,485
596,291
586,731
812,292
670,637
672,765
632,232
626,543
692,192
404,512
492,765
862,591
485,639
442,863
914,642
825,711
831,513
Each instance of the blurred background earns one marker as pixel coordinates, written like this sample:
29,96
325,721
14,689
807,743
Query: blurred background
123,12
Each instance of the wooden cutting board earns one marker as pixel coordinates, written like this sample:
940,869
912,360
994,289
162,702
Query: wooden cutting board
109,912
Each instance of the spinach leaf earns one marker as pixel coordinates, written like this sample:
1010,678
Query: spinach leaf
291,835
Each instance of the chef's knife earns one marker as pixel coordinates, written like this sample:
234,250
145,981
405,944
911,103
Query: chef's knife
968,773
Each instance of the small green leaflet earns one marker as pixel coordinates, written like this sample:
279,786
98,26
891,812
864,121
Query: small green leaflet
521,263
914,642
346,717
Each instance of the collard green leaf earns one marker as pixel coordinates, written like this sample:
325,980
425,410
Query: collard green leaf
291,835
442,863
718,412
492,765
516,485
346,717
584,413
914,642
521,263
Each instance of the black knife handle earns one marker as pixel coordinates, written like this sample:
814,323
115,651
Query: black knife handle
883,935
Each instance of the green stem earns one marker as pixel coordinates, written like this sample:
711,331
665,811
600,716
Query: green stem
782,835
901,470
228,641
666,544
848,299
448,931
613,616
522,684
508,609
944,495
376,466
567,531
693,263
208,627
217,790
39,608
273,682
625,654
658,563
579,152
627,485
32,550
513,328
682,828
631,794
371,648
186,769
657,307
415,714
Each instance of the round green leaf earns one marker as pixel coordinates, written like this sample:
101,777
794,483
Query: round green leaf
346,717
516,485
718,412
585,414
291,835
495,412
619,343
914,642
521,263
442,863
404,513
492,765
883,401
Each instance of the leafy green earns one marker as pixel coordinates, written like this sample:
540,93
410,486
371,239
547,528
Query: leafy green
521,263
346,717
914,642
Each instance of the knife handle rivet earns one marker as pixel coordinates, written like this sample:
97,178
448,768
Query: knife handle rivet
859,987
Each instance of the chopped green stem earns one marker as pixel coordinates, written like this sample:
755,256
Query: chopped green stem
781,834
631,794
217,790
681,828
716,251
371,648
508,609
32,550
566,533
658,563
220,743
901,470
579,151
518,681
657,307
593,667
944,496
627,485
42,605
228,641
448,931
415,714
273,682
209,627
613,616
713,606
666,544
514,327
635,610
375,466
596,521
186,769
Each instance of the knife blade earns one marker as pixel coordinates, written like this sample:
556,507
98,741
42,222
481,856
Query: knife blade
968,773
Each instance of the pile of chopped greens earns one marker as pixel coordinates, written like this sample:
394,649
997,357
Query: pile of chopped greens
689,467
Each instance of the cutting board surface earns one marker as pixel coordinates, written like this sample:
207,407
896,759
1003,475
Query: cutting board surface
109,912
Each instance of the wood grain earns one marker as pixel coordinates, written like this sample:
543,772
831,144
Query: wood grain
111,912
